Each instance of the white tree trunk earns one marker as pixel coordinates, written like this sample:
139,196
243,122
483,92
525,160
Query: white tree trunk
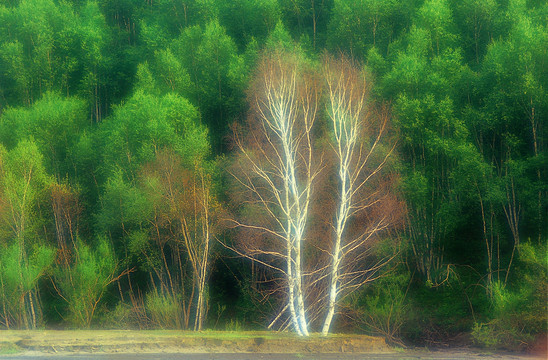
347,90
291,282
282,163
204,261
342,217
299,287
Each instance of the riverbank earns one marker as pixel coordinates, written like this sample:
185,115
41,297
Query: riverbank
170,341
126,344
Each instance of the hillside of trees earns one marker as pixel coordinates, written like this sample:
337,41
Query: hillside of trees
362,166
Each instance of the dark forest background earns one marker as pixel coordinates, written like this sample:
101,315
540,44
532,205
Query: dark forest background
117,118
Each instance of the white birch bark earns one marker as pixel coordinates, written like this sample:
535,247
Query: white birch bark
345,117
204,261
282,104
346,109
286,110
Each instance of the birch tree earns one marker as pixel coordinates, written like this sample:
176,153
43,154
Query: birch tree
277,168
357,139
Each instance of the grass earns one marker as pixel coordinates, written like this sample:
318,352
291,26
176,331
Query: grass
7,348
226,335
235,335
175,340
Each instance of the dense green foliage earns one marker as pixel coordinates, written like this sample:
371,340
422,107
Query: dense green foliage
115,136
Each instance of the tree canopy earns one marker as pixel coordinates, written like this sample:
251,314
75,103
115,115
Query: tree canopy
137,139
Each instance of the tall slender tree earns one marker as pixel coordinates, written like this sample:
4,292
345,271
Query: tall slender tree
278,169
359,141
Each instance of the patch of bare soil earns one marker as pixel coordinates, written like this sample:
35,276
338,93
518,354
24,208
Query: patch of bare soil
540,346
121,341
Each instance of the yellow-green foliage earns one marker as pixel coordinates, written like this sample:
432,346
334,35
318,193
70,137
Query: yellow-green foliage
163,310
83,284
19,277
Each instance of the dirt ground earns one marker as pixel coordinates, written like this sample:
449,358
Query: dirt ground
127,341
135,345
443,355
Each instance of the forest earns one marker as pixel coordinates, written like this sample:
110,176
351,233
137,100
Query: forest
311,166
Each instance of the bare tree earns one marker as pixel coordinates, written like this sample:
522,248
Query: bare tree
279,167
278,170
197,235
358,137
185,211
66,211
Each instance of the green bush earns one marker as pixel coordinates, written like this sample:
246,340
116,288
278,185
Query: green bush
121,317
518,309
234,325
84,283
508,326
485,335
164,310
383,307
19,275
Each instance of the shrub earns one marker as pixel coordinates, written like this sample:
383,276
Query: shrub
19,277
164,310
485,335
121,317
234,325
519,309
383,307
83,284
